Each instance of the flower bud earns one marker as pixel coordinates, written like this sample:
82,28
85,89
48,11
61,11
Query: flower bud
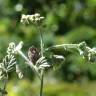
33,54
59,57
41,18
37,15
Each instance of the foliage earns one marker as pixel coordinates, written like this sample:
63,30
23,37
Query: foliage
67,21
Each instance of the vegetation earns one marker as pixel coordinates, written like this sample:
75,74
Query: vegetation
66,22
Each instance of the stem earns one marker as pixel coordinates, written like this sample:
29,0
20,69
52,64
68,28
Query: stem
5,82
29,63
42,50
4,87
41,86
66,46
41,40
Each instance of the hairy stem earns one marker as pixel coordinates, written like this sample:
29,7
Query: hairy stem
42,49
4,87
41,86
41,40
29,63
66,46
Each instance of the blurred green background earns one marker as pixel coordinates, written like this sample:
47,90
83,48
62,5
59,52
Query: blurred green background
66,21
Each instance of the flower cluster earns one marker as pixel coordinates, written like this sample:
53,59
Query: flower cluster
35,18
37,59
87,52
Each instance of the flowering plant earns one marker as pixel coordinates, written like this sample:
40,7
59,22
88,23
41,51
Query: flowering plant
37,59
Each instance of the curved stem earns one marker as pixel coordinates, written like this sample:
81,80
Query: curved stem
66,46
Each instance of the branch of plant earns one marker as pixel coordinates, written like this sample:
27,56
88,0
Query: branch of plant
65,46
5,83
41,86
34,68
83,49
42,50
